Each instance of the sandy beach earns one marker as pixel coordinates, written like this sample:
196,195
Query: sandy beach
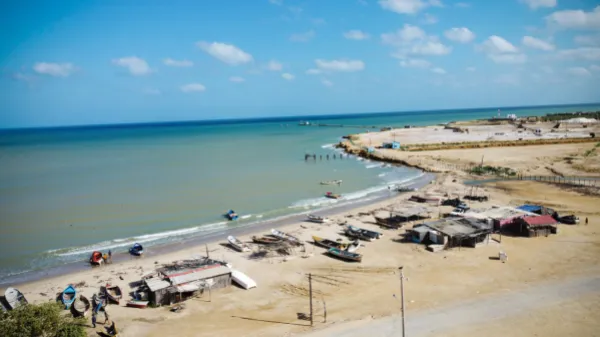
358,295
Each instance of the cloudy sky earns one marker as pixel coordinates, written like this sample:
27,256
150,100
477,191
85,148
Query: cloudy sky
116,61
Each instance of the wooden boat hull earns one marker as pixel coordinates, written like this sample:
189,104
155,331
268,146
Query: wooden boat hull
286,237
387,223
326,243
14,298
136,250
317,219
81,306
346,256
68,296
237,244
113,294
138,304
96,258
266,240
242,279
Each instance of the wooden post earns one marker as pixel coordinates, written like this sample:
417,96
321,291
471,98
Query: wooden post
324,311
207,255
402,298
310,296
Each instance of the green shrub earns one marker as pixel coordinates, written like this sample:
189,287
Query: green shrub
40,320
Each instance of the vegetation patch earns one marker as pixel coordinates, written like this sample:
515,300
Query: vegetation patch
47,320
493,170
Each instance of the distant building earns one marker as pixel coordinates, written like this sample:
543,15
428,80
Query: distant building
393,145
451,232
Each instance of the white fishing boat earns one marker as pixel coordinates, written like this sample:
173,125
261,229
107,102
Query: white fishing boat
331,182
14,298
317,219
286,237
237,244
242,279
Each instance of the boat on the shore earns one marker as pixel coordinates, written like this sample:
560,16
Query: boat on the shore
344,255
362,234
113,293
332,195
237,244
391,222
403,189
81,306
138,304
242,279
266,240
317,219
331,182
96,258
286,237
326,243
231,215
14,298
68,296
136,250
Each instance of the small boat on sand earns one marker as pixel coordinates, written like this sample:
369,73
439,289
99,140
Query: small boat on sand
14,298
242,279
286,237
81,306
266,240
113,293
332,195
237,244
362,234
344,255
68,296
231,215
317,219
326,243
96,258
136,250
331,182
138,304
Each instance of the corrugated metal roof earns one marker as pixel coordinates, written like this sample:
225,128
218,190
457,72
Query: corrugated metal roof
542,220
530,208
155,284
201,274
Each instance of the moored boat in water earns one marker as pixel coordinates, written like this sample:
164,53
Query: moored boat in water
344,255
237,244
68,296
136,250
332,195
331,182
96,258
231,215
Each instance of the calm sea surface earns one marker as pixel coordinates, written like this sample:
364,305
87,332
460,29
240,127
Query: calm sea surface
67,192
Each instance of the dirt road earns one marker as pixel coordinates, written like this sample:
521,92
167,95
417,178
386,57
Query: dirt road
513,302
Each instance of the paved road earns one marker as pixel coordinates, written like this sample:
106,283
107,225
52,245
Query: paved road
469,312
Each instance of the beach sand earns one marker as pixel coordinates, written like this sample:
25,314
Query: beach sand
364,292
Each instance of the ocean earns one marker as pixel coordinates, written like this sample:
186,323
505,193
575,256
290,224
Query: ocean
66,192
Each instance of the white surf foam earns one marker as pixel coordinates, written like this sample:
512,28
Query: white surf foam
327,146
246,216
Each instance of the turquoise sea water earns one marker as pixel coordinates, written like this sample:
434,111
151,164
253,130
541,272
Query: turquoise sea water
67,192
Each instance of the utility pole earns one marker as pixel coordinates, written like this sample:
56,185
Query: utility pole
402,297
310,295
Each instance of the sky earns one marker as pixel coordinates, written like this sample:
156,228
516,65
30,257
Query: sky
74,62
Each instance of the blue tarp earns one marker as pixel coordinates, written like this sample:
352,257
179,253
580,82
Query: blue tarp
530,208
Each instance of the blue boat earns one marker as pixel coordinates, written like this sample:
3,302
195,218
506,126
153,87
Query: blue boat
231,215
136,250
68,296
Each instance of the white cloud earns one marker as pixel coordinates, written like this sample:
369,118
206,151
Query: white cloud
274,66
415,63
412,40
408,6
23,77
192,87
583,53
462,5
135,65
313,71
532,42
430,19
501,51
508,58
438,71
288,76
54,69
579,71
175,63
303,37
594,67
276,2
237,79
152,91
535,4
576,19
461,34
340,65
226,53
356,34
588,40
327,82
471,69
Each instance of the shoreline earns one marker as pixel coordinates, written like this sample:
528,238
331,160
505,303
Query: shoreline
212,238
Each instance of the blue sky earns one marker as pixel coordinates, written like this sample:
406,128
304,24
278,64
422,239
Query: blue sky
86,62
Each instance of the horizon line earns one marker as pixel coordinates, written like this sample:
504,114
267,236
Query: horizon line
257,119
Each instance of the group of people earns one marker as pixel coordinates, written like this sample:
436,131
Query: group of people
107,257
111,329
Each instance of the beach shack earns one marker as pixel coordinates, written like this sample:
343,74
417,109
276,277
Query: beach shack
393,145
499,216
538,209
451,232
532,226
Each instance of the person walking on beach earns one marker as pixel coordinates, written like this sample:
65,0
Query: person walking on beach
93,319
586,221
109,256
